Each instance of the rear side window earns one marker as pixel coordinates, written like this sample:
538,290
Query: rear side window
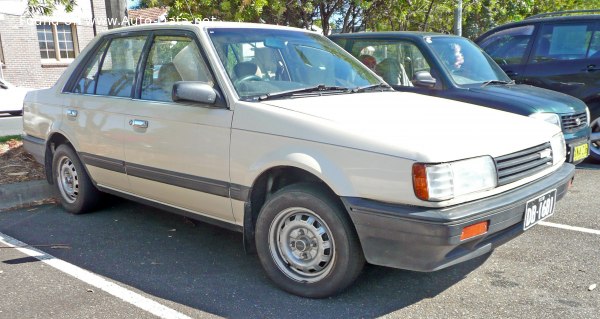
563,42
172,59
508,46
118,66
87,81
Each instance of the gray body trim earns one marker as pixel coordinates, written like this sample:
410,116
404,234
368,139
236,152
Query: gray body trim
197,183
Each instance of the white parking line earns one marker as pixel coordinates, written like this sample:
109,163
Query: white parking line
90,278
575,228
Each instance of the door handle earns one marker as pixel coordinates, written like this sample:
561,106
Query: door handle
511,73
138,123
72,113
591,68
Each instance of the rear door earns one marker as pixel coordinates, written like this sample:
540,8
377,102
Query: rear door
565,57
93,113
177,153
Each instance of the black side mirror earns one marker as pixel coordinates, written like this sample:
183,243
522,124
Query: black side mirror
199,92
424,79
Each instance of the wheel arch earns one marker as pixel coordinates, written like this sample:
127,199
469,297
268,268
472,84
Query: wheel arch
54,140
274,178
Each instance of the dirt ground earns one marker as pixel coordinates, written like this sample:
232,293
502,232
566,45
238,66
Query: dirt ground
16,165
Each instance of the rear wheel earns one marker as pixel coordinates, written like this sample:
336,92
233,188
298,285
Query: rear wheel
306,243
77,193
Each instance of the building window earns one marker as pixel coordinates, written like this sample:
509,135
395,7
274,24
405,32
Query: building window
56,41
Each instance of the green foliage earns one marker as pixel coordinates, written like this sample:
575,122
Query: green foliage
370,15
4,139
47,7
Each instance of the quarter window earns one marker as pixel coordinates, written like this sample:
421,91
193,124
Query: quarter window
56,41
508,46
172,59
117,73
563,42
87,82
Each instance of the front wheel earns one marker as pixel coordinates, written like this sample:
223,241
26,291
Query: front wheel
77,193
306,243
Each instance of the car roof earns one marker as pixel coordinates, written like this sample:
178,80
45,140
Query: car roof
414,35
199,25
534,20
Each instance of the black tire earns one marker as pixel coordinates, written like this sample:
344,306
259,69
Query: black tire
595,145
77,193
302,211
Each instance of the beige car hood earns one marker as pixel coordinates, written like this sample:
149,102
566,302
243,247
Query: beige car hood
408,125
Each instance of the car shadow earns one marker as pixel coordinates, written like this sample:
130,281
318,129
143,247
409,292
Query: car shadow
205,267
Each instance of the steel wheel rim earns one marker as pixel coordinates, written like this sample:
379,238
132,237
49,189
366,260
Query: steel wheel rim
68,180
301,245
595,138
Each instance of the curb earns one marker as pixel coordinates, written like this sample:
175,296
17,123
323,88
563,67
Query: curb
25,193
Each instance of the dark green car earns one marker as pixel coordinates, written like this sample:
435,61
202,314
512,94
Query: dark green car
455,68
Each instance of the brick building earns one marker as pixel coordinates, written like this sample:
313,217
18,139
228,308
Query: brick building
34,51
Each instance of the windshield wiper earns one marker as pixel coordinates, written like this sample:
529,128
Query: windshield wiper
378,86
318,88
486,83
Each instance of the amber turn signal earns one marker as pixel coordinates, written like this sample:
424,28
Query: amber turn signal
474,230
419,174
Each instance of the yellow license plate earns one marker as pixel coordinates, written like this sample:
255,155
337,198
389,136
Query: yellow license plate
580,152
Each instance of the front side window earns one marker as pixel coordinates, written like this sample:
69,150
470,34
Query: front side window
563,42
508,46
260,61
117,73
56,41
172,59
465,62
396,61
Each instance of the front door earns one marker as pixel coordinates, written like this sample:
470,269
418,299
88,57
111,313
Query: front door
177,153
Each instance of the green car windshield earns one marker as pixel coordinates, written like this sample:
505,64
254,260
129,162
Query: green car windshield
465,61
271,62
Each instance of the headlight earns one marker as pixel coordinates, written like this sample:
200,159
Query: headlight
559,148
551,118
437,182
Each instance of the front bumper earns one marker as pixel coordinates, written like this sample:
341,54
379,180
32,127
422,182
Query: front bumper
428,239
575,139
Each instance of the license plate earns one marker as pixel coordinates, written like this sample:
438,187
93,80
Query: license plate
539,208
580,152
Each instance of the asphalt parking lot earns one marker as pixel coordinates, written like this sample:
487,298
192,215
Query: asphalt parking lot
132,261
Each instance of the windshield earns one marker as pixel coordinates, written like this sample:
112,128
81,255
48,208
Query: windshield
465,61
263,62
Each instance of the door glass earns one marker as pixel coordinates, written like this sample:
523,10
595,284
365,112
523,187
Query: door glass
87,81
508,46
594,51
118,68
563,42
172,59
395,61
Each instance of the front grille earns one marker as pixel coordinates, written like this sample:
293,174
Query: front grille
573,122
522,164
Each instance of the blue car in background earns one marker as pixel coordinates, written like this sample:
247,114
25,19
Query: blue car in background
455,68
